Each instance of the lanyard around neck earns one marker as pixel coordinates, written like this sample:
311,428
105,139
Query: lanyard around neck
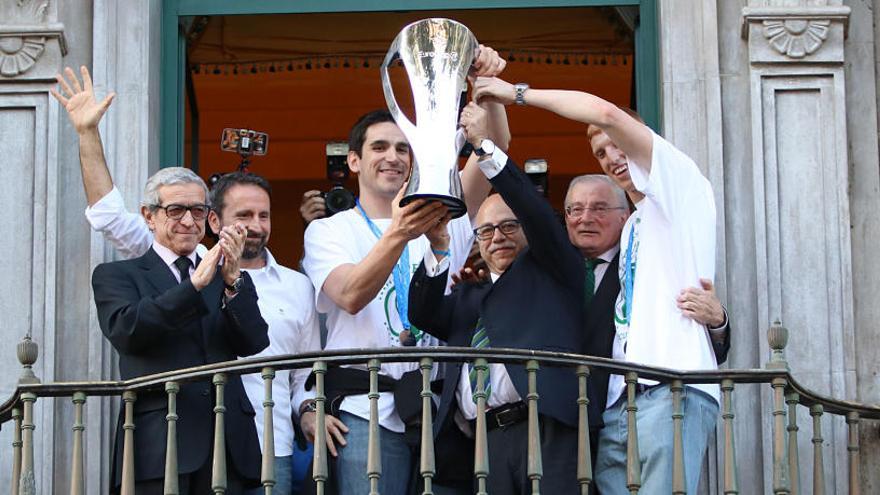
400,274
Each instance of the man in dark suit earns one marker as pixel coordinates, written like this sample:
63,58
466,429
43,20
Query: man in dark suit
534,301
168,310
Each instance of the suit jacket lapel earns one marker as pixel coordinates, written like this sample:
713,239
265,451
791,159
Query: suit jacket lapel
158,273
609,286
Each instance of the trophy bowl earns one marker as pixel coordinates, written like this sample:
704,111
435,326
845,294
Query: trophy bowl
436,55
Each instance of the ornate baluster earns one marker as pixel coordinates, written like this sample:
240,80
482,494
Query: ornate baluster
319,460
852,420
777,337
585,462
218,469
172,486
374,457
268,470
678,488
536,469
481,442
128,398
77,481
427,452
16,449
731,485
818,462
633,464
27,483
781,484
792,400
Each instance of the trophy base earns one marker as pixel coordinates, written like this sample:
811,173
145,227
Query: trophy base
456,206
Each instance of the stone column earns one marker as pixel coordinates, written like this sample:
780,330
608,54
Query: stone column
800,180
32,45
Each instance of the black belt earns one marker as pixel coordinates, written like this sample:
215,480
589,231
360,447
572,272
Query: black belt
506,415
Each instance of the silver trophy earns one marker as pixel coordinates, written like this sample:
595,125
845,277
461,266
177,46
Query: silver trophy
436,54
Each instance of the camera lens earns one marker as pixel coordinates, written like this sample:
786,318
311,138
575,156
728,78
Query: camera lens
338,199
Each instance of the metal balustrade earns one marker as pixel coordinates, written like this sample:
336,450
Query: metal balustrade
787,393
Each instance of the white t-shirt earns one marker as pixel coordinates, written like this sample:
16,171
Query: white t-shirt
346,238
673,247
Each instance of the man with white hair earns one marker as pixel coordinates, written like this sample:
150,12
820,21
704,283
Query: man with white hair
171,309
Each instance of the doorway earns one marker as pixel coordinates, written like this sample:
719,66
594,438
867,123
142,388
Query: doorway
304,78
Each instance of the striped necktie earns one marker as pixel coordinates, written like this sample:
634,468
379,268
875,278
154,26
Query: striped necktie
590,284
479,341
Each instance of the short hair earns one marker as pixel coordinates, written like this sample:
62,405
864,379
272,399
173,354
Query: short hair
593,129
169,176
228,181
598,179
359,131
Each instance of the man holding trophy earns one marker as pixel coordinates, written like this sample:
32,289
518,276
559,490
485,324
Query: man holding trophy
361,260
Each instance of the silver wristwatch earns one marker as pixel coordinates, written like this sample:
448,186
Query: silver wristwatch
486,147
520,92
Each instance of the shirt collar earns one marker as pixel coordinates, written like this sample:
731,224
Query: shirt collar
609,255
169,256
271,267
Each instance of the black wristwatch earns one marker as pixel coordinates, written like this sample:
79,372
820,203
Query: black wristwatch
486,147
235,287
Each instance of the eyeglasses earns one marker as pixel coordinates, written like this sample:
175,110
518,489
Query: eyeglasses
507,227
176,212
575,211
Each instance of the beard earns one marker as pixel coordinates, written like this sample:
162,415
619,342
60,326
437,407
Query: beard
254,247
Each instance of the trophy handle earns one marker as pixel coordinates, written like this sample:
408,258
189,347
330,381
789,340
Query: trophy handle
408,128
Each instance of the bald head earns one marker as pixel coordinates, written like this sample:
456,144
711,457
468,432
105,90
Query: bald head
498,249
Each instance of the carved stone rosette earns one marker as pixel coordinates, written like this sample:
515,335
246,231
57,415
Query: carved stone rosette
31,43
797,34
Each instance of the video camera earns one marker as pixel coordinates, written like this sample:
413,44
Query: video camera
338,198
246,143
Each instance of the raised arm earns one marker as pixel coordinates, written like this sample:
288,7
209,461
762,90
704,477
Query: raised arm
630,135
85,113
473,182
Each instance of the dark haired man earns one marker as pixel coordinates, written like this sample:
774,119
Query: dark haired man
285,296
360,262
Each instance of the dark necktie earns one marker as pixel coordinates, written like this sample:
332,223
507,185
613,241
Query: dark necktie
590,284
183,263
479,341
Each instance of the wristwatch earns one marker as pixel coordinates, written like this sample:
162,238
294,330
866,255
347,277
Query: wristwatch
235,286
486,147
308,406
520,92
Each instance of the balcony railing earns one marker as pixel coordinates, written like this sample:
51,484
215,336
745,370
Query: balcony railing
787,394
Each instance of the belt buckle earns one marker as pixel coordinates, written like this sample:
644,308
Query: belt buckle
510,413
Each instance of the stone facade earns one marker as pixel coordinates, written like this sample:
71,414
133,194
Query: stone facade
775,99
